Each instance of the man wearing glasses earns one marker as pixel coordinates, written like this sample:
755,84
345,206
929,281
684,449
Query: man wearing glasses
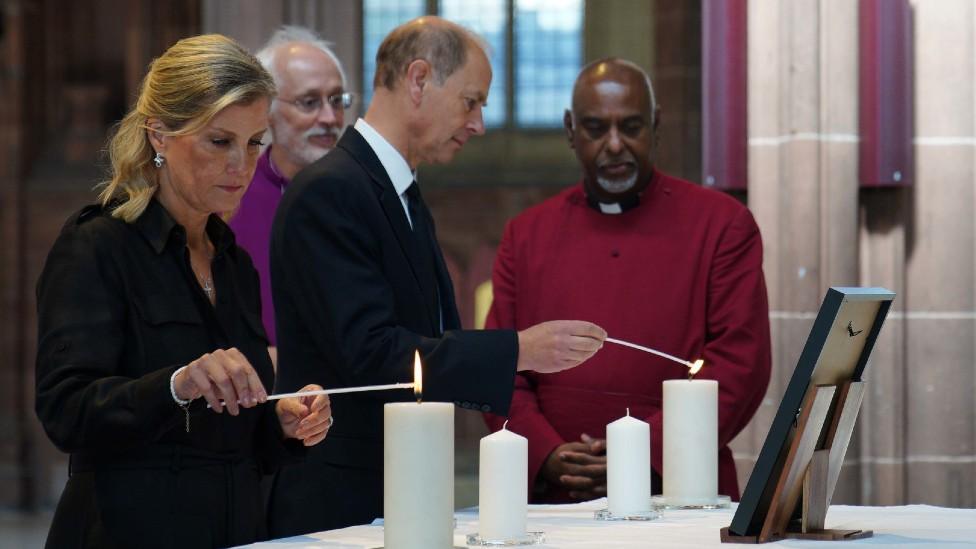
306,120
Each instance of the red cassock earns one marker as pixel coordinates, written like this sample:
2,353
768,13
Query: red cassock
681,272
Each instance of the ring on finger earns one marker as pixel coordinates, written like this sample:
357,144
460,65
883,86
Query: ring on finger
331,420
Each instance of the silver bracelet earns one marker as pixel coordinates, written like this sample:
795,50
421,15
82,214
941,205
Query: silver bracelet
172,387
184,404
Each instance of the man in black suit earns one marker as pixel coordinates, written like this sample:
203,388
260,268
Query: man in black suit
359,282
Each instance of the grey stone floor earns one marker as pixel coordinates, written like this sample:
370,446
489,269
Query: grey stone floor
23,530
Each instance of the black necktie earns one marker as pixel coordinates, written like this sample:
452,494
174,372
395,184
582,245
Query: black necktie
424,241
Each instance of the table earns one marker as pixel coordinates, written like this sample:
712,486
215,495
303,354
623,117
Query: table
573,526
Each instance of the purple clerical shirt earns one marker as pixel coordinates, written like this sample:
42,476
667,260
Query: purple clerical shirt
252,228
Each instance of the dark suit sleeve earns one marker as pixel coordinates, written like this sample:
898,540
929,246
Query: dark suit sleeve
337,268
82,400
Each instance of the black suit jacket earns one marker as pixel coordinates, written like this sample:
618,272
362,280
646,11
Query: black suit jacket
350,311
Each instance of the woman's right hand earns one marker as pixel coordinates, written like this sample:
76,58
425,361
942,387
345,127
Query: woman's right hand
224,374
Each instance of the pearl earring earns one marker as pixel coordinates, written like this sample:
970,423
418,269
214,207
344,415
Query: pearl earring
158,160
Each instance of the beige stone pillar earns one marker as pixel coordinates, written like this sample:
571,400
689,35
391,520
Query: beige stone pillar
880,430
940,377
916,437
251,22
802,87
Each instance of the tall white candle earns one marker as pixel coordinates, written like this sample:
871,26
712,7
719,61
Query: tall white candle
503,498
690,442
418,475
628,466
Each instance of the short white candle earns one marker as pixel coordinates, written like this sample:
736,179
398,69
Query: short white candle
690,442
503,498
628,466
418,475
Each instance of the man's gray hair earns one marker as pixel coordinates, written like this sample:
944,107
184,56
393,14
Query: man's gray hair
443,44
288,34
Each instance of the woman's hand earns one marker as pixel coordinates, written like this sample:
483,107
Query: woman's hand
224,374
305,418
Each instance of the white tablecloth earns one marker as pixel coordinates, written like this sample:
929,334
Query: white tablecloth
574,526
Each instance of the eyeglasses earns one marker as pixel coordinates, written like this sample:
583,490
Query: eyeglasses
310,104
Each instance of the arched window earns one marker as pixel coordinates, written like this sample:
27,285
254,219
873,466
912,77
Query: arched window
535,50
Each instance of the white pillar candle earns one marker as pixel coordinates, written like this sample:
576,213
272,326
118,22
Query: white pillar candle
503,498
628,466
418,475
690,442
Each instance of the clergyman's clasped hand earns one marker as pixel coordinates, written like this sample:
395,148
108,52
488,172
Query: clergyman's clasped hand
579,467
226,375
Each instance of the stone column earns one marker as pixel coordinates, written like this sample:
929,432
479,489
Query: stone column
881,424
802,87
916,437
940,377
251,22
16,481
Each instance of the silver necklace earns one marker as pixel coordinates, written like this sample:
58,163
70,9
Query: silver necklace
206,282
208,287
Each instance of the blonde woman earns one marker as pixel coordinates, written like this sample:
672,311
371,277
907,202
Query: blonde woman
148,313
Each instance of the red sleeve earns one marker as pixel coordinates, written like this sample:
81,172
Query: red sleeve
525,417
656,421
737,341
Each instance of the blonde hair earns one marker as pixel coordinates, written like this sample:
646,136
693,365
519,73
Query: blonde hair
185,88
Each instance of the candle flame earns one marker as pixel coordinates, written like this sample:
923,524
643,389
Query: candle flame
418,377
693,369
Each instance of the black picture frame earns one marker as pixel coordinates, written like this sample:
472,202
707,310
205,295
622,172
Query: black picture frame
832,355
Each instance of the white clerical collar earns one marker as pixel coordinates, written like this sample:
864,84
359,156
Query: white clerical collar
613,208
393,162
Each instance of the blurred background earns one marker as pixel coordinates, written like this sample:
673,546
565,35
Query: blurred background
847,126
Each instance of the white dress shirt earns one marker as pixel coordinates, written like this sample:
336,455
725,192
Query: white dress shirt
393,162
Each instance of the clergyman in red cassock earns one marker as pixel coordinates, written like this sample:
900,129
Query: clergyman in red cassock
653,259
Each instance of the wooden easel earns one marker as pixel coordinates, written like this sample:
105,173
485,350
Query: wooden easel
812,472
